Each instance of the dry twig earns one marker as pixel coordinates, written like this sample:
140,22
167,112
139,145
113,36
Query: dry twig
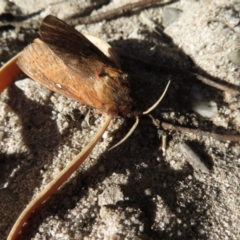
203,79
185,130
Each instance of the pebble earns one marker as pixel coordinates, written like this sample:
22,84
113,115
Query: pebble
148,192
1,135
105,135
3,5
170,15
84,124
111,195
234,21
237,29
206,109
234,57
4,110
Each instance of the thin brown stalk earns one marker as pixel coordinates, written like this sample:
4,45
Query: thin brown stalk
219,137
127,9
203,79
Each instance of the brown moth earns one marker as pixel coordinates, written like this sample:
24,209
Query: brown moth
66,62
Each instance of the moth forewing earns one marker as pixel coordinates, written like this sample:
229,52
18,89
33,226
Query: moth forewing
68,63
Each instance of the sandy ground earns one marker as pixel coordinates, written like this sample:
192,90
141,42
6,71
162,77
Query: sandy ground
133,191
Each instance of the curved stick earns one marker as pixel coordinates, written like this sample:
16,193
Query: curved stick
8,72
52,187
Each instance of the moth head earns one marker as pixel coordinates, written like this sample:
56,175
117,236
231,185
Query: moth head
114,90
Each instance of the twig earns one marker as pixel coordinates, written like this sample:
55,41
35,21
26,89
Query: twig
126,9
219,137
8,72
205,80
58,181
193,158
164,144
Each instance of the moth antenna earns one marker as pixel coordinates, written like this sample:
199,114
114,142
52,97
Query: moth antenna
158,101
128,134
144,113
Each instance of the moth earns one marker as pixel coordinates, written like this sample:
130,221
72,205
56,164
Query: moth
65,61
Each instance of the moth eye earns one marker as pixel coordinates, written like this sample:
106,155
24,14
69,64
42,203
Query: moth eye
102,75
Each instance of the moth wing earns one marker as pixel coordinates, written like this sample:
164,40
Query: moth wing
42,65
73,48
68,63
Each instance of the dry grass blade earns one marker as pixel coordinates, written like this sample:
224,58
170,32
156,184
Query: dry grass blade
62,177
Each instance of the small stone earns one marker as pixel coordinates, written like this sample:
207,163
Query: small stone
84,211
105,135
4,110
141,228
3,6
234,21
237,29
234,57
170,15
84,124
148,192
1,135
111,195
65,125
206,109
